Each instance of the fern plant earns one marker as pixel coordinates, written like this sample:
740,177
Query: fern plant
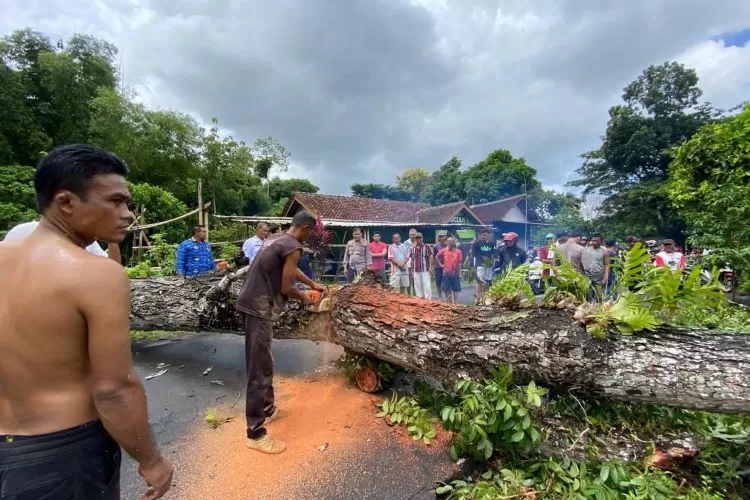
627,313
512,286
568,283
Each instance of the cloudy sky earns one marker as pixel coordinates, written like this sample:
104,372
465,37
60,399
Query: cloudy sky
359,90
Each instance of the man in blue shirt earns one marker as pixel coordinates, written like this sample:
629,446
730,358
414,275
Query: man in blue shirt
194,256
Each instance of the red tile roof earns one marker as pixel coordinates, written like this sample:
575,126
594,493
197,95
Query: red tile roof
353,208
441,214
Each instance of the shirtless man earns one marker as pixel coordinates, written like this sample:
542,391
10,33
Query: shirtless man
69,396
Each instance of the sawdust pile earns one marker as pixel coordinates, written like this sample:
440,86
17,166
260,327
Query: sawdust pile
330,430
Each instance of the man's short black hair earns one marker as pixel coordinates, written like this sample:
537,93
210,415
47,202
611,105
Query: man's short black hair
376,233
303,218
72,168
484,231
597,235
197,228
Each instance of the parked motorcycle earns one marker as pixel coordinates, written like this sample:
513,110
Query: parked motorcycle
728,279
534,276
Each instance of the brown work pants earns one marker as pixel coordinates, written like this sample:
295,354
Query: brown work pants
259,400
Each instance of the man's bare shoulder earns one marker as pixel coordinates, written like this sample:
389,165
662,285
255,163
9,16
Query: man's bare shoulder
94,267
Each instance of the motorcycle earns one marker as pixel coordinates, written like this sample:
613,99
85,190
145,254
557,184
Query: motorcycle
728,279
534,276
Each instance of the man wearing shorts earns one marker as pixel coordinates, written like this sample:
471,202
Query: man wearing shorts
398,256
450,259
483,251
440,245
69,395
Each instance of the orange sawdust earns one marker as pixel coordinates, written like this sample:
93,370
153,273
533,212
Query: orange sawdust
327,412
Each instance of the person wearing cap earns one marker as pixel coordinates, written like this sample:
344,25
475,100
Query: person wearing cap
511,254
669,257
421,262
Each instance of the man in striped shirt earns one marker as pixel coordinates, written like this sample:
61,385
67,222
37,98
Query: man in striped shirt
421,261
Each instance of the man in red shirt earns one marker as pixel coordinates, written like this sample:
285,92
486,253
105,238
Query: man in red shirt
378,251
450,259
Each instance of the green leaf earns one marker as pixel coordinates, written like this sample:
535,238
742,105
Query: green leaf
604,473
442,490
518,436
508,412
535,437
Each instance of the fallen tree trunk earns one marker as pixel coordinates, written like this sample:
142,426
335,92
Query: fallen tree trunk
695,369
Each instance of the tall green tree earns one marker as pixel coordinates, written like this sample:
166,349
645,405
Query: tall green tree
498,176
162,148
446,184
58,85
380,191
709,184
283,188
414,181
227,172
161,205
548,203
661,109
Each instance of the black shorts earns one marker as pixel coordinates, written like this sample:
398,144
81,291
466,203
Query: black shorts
451,284
82,463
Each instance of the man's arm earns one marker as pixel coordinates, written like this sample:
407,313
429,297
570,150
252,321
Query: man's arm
346,257
307,281
117,391
289,278
180,259
368,256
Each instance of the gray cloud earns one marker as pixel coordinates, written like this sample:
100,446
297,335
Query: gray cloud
361,90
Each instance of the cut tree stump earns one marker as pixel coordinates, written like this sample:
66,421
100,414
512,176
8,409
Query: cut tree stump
694,369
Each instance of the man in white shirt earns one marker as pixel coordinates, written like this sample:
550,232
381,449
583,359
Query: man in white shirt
25,229
251,247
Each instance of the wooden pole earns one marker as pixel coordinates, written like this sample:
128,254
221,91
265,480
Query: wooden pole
200,202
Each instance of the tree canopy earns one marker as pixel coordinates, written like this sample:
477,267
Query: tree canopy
631,166
68,93
709,184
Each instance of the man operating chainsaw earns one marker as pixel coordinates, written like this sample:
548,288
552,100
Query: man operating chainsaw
269,282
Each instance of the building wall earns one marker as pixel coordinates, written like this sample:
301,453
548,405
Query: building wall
515,215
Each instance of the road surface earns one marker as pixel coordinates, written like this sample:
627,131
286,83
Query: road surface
338,450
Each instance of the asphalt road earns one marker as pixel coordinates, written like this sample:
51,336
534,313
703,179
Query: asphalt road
178,400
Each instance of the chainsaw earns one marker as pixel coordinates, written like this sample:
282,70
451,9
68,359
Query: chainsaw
321,301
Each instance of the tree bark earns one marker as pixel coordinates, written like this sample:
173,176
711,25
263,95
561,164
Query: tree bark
695,369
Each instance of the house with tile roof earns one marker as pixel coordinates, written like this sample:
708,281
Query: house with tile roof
509,215
343,213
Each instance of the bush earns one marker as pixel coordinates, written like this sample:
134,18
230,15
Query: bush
161,205
231,232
